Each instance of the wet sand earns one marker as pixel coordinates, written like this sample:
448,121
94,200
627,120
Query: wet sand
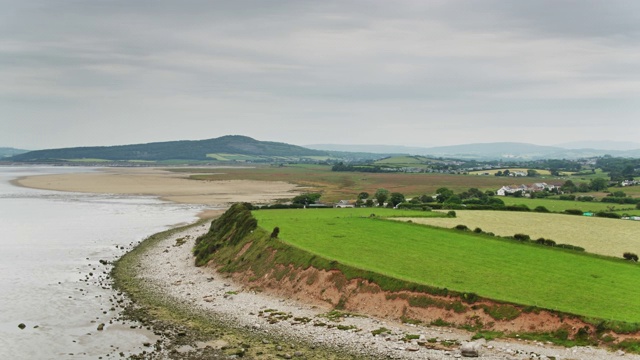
166,185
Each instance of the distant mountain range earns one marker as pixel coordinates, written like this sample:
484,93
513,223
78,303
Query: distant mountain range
174,150
246,149
486,151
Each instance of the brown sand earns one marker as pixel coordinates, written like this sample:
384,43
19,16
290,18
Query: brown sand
166,185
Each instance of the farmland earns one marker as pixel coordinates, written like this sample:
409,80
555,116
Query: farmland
603,236
562,205
346,185
495,268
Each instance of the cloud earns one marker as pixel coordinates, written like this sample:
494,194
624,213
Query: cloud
310,72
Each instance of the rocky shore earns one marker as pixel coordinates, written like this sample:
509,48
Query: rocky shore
255,325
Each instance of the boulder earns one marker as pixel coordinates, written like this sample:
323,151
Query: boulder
470,349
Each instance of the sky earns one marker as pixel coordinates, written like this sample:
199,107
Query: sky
415,73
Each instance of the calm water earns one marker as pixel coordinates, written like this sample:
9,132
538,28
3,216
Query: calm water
50,275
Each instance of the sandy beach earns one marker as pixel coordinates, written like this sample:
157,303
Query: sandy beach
166,185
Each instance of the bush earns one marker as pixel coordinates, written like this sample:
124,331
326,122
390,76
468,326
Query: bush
477,230
522,237
573,212
462,227
452,214
517,208
541,209
570,247
610,215
567,197
630,256
275,232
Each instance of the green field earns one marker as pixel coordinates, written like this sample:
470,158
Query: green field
562,205
611,237
527,274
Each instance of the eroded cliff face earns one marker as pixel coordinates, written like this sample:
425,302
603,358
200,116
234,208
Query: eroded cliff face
331,289
262,262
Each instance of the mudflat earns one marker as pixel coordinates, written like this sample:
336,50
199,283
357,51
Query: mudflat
167,185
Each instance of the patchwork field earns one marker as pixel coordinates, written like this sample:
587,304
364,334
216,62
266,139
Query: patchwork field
562,205
505,270
611,237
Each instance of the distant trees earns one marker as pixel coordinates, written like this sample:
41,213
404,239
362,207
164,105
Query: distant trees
396,198
381,196
306,199
598,184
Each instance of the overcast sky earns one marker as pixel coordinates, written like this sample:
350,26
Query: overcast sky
419,73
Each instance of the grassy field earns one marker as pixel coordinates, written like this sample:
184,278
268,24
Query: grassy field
562,205
603,236
499,269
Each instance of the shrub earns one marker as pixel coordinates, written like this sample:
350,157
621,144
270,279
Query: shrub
573,212
549,242
522,237
275,232
541,209
567,197
570,247
462,227
610,215
477,230
630,256
517,208
451,214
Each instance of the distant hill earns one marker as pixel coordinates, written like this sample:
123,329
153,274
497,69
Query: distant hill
8,152
601,145
174,150
485,151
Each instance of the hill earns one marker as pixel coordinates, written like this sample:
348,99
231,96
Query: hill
485,151
8,152
176,150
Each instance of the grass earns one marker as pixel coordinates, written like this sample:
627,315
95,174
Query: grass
503,270
603,236
562,205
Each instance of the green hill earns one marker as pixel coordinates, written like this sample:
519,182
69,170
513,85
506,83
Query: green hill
175,150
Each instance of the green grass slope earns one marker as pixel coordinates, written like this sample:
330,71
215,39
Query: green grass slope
504,270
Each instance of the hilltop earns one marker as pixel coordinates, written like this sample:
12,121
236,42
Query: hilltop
175,150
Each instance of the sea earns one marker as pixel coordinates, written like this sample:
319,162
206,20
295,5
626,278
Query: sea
55,255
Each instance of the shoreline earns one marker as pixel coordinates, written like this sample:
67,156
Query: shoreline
189,305
163,184
168,270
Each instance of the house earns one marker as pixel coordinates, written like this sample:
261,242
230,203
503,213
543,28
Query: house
344,204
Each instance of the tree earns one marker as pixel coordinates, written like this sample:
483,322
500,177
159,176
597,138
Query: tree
599,184
569,187
381,195
363,195
532,173
396,198
443,194
306,199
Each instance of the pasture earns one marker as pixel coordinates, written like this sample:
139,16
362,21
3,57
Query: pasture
499,269
562,205
611,237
